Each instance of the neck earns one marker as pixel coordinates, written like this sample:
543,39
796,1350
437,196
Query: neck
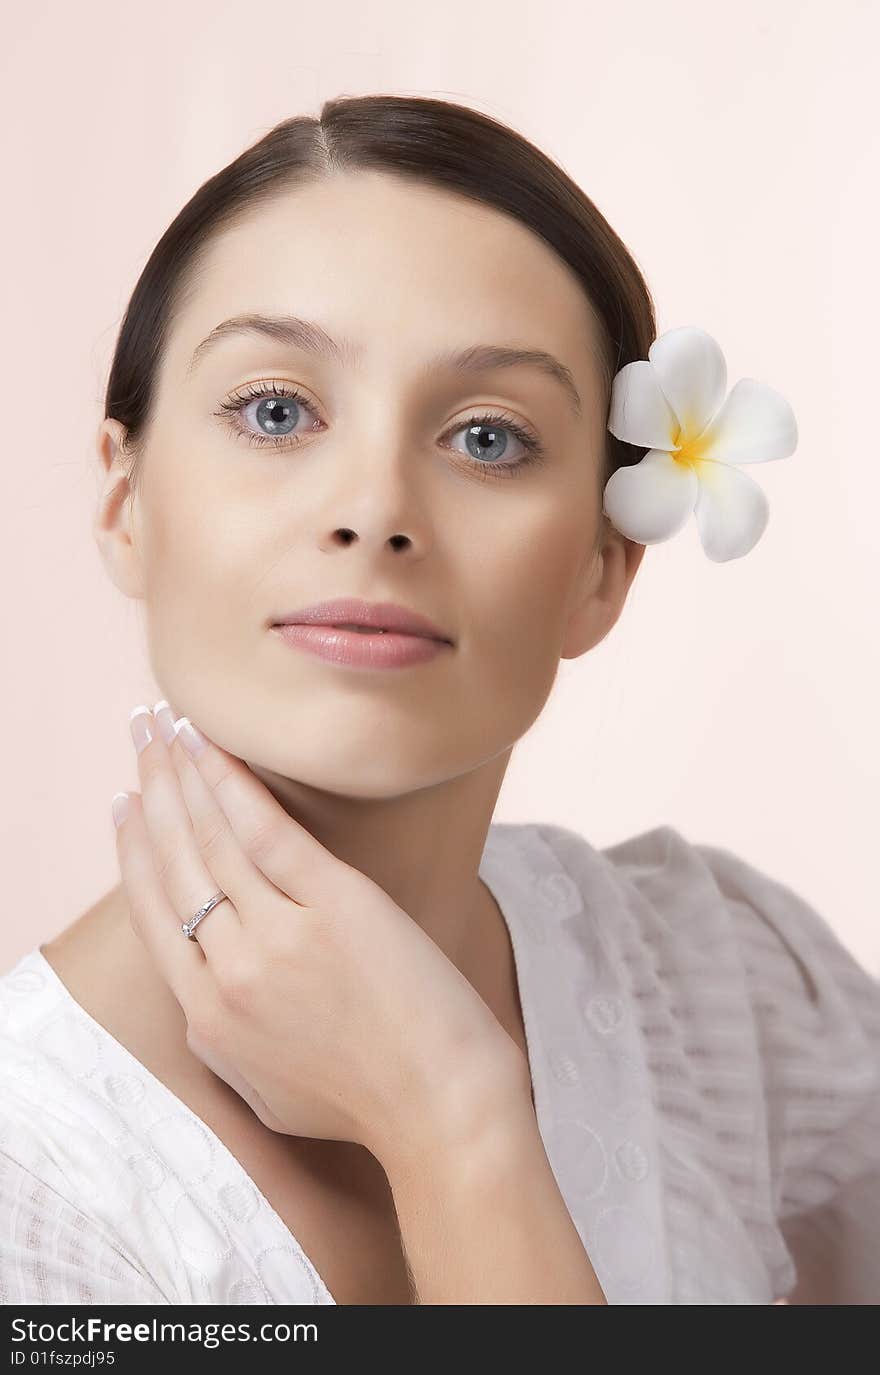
423,848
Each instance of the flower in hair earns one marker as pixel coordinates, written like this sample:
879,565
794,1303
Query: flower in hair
673,404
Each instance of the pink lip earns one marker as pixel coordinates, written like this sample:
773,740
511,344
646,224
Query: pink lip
353,649
354,611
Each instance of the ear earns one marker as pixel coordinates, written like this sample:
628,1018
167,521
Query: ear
113,523
605,578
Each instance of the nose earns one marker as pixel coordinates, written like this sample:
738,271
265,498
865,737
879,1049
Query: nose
344,534
380,485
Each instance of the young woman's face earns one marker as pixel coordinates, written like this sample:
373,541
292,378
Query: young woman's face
374,483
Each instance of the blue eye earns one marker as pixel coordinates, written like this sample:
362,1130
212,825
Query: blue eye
482,435
279,407
274,407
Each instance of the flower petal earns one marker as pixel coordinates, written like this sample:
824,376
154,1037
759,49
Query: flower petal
639,412
755,424
692,373
651,500
731,512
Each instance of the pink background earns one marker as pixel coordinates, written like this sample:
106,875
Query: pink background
735,151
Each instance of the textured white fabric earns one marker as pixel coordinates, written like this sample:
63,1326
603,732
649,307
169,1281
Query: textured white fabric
705,1056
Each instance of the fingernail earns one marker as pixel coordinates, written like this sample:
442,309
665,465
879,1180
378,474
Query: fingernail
120,805
140,721
164,718
192,740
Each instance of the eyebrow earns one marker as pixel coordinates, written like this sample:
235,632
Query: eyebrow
311,338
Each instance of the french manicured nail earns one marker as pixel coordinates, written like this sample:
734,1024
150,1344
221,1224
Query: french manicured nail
192,740
141,722
164,718
121,803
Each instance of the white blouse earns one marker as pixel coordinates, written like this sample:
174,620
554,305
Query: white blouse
705,1058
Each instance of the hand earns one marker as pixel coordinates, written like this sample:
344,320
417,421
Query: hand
310,992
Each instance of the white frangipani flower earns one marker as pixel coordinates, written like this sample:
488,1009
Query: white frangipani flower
672,405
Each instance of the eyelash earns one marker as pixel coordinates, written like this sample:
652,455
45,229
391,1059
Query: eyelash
231,408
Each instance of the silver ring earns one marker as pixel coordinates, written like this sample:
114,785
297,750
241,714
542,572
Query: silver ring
188,927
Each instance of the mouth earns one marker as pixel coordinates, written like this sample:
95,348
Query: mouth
355,629
359,617
354,646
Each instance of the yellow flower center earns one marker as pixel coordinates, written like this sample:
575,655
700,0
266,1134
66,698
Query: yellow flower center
690,448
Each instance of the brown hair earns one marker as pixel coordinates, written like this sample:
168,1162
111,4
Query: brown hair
432,141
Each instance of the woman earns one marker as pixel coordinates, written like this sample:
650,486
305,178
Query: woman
345,436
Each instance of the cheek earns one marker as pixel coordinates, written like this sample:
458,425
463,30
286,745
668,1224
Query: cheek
517,601
201,550
527,580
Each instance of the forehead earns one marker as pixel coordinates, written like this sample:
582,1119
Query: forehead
403,268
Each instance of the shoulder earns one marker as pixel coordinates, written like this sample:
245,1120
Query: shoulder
54,1250
779,939
784,947
56,1105
659,862
64,1233
651,887
736,949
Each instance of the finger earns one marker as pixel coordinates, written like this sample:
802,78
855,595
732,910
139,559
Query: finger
224,1069
280,847
180,962
177,860
233,872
